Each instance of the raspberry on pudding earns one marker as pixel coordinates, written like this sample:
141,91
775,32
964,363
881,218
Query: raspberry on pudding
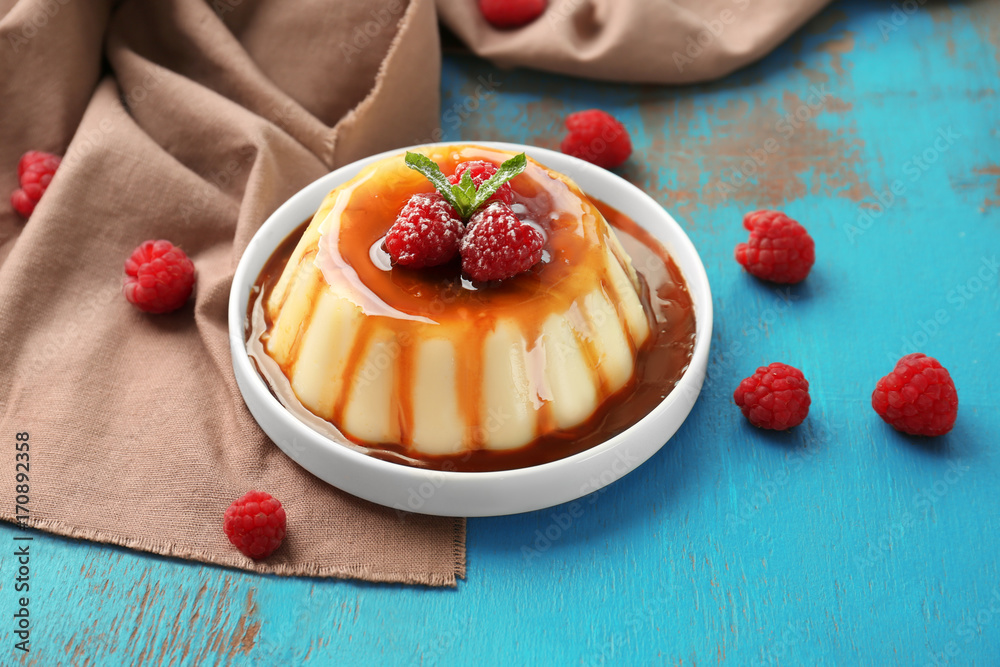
431,364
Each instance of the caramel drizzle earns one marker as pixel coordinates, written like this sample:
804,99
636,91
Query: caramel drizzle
402,391
315,289
615,302
349,373
469,381
545,420
593,356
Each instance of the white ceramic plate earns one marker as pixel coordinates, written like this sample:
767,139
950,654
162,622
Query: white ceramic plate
475,493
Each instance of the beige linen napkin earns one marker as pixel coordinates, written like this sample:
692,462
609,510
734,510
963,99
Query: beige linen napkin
192,121
649,41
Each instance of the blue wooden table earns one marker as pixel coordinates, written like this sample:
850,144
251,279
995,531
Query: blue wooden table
841,542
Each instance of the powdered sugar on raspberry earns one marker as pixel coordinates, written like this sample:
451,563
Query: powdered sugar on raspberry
427,232
481,171
498,245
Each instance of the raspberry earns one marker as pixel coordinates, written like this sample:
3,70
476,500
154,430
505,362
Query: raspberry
511,13
255,524
22,203
34,172
159,277
498,245
775,397
481,171
597,137
427,232
779,250
918,397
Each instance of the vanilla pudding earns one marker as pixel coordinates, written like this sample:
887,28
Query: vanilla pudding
428,366
483,367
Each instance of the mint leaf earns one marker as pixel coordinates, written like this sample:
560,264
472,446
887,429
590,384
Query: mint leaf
508,170
432,172
464,197
468,188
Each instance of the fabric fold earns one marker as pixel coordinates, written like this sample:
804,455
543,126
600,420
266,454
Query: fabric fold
638,41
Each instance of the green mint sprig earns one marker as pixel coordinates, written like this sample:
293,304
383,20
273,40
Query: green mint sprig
464,197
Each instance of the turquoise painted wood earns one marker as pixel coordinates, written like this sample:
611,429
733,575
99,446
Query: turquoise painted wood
840,543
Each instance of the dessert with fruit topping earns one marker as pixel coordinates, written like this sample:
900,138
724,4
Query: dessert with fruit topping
467,308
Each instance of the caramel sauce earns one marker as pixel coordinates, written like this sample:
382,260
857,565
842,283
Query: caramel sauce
369,206
441,296
661,362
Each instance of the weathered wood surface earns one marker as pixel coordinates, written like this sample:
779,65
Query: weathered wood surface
840,543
